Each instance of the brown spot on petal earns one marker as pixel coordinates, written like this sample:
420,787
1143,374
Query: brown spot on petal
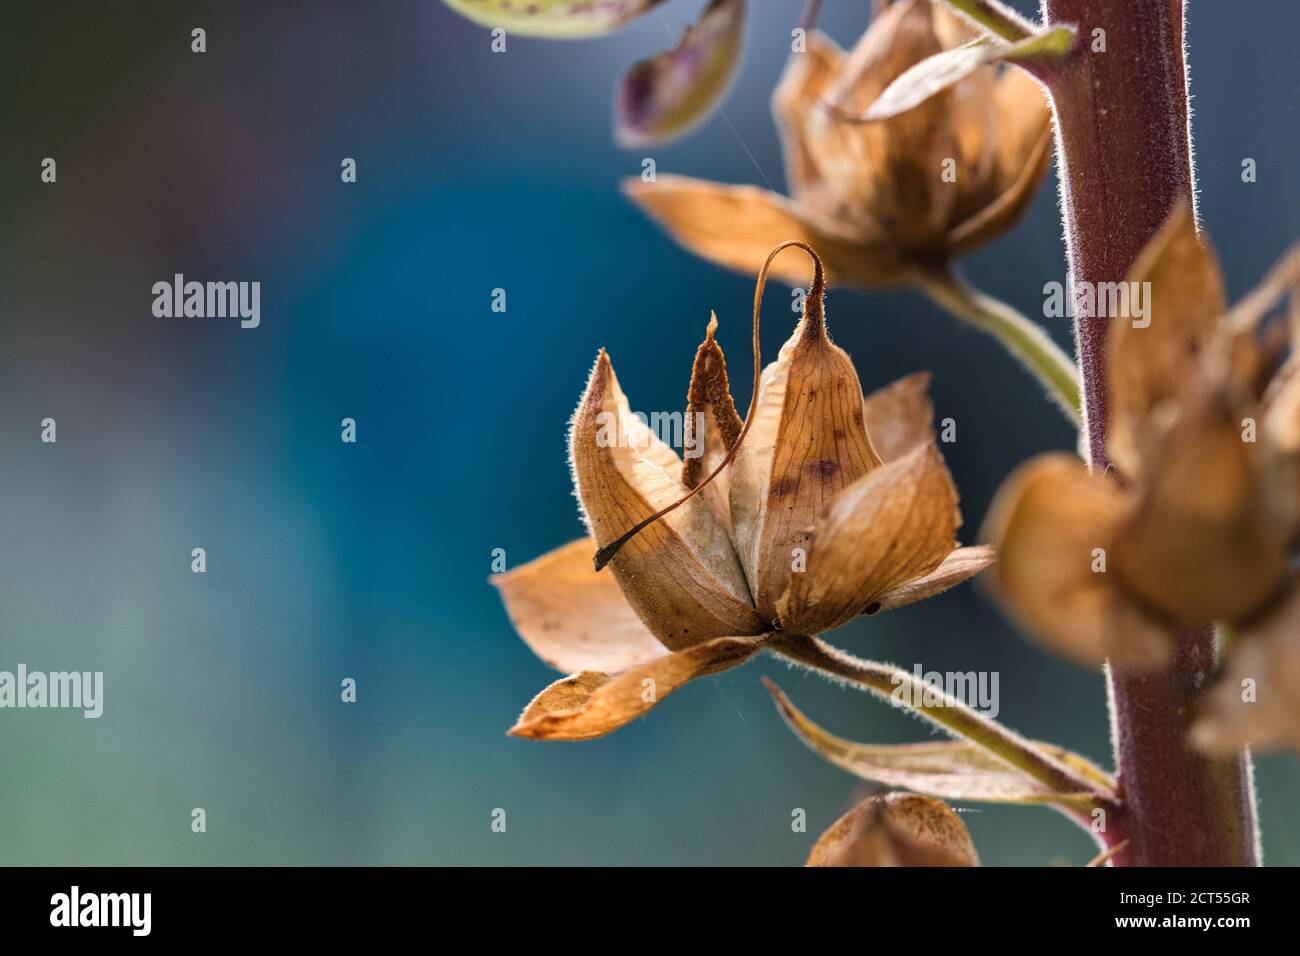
808,441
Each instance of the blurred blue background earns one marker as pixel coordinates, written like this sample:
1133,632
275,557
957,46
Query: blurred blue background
325,560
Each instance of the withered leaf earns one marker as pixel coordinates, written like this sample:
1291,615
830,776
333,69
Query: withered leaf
952,769
589,704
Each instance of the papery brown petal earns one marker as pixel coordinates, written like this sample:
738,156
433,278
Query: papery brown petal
680,574
888,528
1279,428
712,425
1283,280
553,19
591,704
808,440
1281,410
888,173
973,117
952,769
896,40
737,226
961,565
1151,363
950,28
1023,115
1022,142
572,617
662,98
900,416
1047,521
1256,702
1256,366
806,79
1204,543
1281,399
896,829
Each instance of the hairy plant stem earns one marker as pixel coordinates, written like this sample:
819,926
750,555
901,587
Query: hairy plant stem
1023,338
952,715
1124,153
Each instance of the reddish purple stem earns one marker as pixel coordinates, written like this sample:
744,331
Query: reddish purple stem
1125,156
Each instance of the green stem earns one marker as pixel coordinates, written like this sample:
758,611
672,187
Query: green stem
994,17
1023,338
949,713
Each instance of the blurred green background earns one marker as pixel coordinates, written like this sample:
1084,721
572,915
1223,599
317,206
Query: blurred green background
325,560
